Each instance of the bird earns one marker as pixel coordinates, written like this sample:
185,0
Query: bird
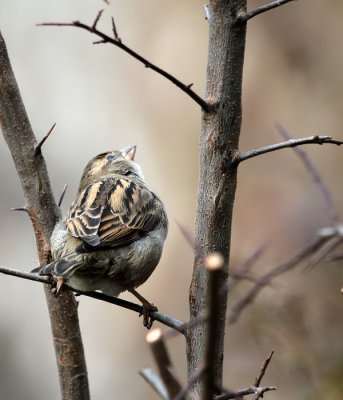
112,237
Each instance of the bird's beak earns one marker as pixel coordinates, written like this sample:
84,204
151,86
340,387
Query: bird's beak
128,152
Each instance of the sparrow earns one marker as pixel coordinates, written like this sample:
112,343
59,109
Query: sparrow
112,237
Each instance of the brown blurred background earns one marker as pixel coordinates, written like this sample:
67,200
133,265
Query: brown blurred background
102,99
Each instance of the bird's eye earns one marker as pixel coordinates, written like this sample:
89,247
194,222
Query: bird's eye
127,173
111,157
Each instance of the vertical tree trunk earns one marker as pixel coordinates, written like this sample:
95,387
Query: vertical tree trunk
217,185
43,212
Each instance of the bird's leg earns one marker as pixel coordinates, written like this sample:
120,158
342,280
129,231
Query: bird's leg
59,282
147,309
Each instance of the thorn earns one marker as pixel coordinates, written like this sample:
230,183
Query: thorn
97,20
106,1
39,145
190,85
20,209
115,32
65,187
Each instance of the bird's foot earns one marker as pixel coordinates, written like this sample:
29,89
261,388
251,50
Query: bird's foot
147,309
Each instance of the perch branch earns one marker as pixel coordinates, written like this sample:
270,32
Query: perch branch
163,318
284,145
118,43
245,16
263,370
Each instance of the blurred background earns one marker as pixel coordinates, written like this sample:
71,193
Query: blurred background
102,99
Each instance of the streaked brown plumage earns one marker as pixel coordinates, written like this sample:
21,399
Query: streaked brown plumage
112,237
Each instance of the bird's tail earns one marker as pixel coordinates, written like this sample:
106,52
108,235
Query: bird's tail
60,267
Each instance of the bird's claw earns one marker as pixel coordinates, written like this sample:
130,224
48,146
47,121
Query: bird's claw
147,309
58,285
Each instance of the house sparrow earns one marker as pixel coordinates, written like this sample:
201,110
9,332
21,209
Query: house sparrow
112,237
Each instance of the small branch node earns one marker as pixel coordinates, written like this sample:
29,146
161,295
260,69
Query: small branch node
38,147
97,18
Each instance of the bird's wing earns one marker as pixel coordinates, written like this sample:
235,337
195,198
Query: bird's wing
113,212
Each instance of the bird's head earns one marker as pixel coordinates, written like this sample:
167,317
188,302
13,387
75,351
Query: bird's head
112,163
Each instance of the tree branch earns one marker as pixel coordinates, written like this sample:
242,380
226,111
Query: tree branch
314,173
218,175
245,392
160,317
244,17
284,145
250,296
163,361
44,213
116,41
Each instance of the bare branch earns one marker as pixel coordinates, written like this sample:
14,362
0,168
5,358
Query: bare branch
245,392
65,187
243,17
38,147
162,318
314,173
154,381
107,39
266,279
163,361
284,145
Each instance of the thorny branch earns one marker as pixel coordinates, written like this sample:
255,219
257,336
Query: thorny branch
243,17
116,41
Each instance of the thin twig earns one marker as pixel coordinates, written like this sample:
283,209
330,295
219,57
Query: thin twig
250,296
284,145
245,392
314,173
39,145
163,361
162,318
97,18
245,267
186,233
181,395
107,39
154,381
25,209
250,14
263,370
65,187
115,32
323,251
